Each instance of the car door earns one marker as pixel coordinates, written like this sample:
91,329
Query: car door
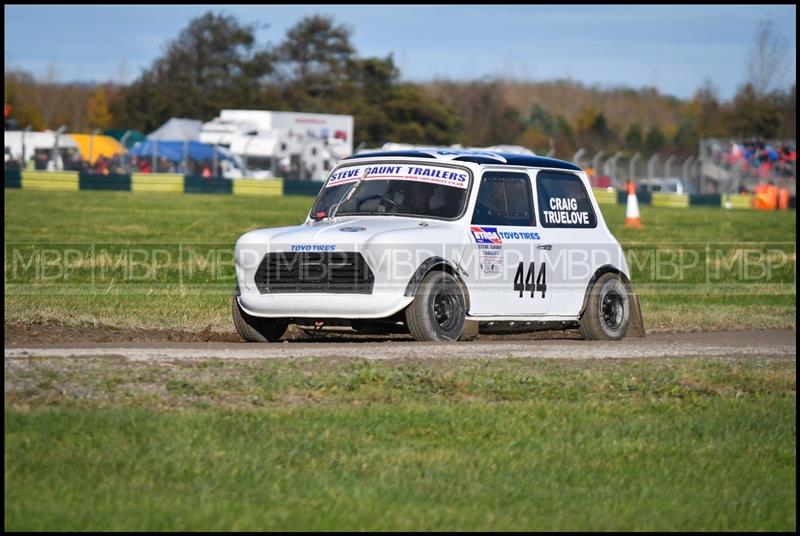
506,277
575,247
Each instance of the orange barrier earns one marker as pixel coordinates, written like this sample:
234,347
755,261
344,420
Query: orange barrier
766,197
783,199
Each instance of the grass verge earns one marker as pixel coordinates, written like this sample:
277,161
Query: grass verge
741,264
316,444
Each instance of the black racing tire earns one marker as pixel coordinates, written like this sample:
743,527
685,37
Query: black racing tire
438,310
608,310
256,329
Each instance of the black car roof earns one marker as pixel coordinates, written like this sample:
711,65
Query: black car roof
478,157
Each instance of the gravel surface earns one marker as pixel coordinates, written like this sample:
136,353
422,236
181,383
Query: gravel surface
767,343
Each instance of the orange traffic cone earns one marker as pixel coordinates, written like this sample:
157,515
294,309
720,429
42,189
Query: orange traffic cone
632,218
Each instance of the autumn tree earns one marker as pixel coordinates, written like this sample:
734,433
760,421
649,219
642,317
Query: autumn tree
751,115
17,95
565,142
214,63
315,55
634,137
655,139
97,112
706,109
485,116
415,119
372,82
788,104
767,58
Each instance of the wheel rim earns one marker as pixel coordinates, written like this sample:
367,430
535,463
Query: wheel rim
445,308
612,310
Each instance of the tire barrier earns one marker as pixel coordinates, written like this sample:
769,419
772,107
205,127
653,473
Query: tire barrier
94,181
158,182
736,201
670,200
50,180
13,178
258,187
311,188
605,196
197,184
176,183
705,200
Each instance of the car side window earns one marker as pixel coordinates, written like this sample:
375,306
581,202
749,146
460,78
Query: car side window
563,201
504,199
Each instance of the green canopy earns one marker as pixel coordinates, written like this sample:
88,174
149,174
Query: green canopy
133,138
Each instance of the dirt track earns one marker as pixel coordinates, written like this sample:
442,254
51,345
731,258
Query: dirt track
770,343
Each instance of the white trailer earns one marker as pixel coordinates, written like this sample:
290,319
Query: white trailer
292,145
21,145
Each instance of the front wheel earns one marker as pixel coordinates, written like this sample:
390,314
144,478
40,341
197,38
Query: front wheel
256,329
608,310
438,310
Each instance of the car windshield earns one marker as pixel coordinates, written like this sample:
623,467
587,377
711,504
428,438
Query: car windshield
422,190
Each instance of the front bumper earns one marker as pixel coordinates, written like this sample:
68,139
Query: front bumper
323,305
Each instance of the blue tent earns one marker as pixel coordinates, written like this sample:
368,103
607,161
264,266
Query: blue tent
173,150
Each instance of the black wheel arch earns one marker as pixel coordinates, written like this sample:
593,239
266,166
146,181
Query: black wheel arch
436,264
636,327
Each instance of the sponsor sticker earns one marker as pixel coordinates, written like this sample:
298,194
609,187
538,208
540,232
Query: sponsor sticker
313,247
519,235
491,258
456,178
490,248
485,235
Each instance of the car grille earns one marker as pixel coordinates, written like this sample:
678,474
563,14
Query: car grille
335,272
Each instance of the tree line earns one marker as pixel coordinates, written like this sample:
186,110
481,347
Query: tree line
216,62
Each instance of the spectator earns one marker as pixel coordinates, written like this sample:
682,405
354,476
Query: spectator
144,166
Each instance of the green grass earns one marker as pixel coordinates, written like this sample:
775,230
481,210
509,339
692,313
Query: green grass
199,230
317,444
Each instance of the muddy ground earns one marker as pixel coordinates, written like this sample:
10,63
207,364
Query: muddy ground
19,335
170,345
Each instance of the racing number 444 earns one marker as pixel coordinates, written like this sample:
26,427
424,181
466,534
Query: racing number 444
529,286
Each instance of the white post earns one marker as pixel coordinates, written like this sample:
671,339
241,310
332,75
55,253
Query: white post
651,164
686,171
613,170
55,155
596,162
185,157
632,166
576,158
91,146
668,167
24,132
214,164
154,148
122,141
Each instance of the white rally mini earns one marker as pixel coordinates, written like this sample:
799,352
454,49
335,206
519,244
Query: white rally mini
440,243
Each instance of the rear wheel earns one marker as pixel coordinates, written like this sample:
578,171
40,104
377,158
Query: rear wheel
256,329
438,310
608,310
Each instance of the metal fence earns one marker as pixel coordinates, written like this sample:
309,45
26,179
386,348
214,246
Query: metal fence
721,166
615,169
